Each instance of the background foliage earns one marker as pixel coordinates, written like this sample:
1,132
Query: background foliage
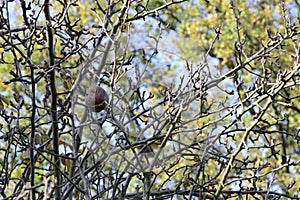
203,99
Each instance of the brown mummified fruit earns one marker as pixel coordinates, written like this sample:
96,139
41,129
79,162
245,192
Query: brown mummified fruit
96,98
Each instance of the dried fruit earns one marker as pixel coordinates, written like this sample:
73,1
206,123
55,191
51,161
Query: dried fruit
96,98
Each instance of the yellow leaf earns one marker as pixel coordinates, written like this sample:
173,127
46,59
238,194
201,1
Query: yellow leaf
61,141
66,162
